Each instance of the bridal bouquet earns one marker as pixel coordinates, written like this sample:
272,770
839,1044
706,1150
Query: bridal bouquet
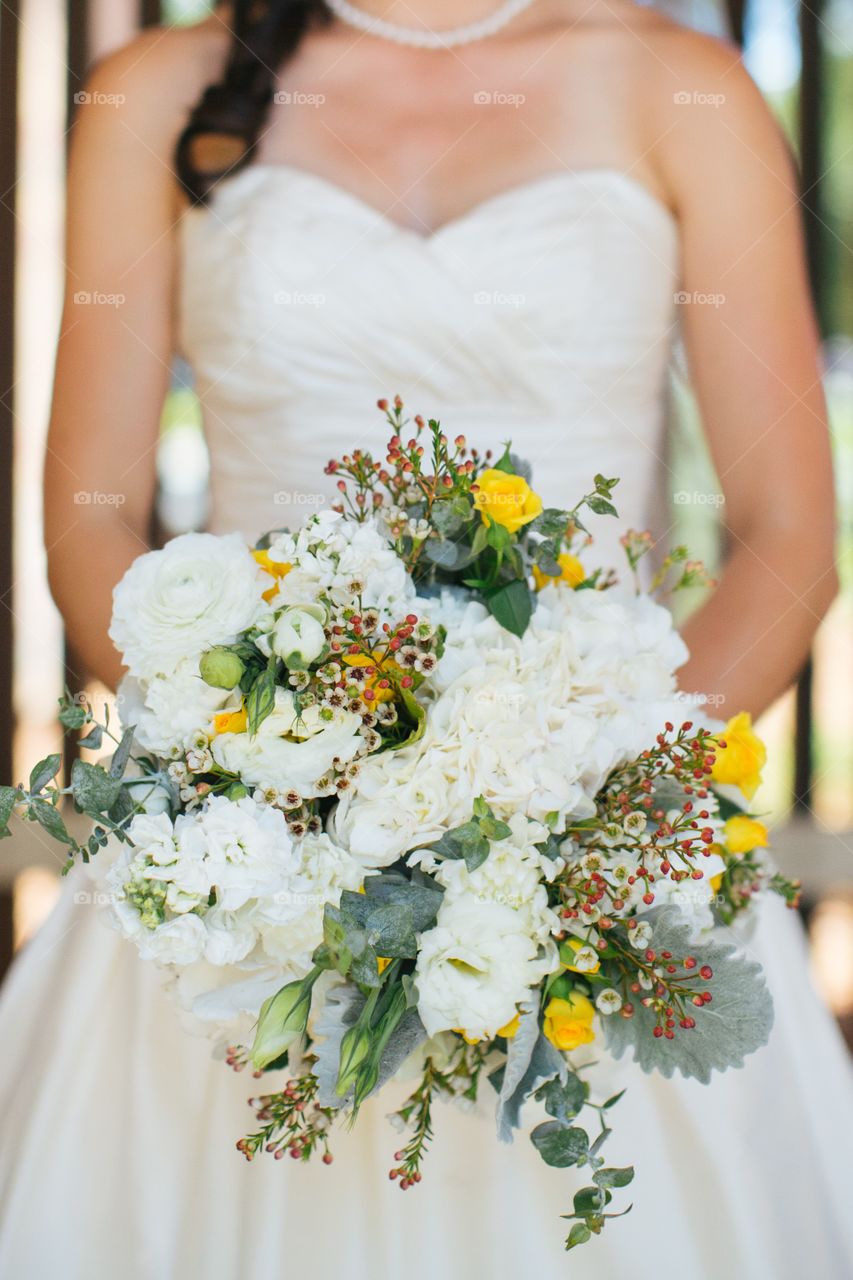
409,792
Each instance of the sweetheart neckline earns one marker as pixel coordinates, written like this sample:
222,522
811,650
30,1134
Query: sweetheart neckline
460,221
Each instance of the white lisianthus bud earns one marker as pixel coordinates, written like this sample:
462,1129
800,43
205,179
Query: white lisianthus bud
298,637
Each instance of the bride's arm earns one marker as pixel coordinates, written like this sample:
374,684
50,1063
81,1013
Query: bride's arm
115,346
755,363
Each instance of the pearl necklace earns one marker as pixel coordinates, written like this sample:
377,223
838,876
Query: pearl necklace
424,38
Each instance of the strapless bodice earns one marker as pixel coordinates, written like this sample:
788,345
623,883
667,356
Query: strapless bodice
543,316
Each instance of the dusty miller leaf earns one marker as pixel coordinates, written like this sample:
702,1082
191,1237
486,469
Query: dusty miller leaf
736,1023
531,1060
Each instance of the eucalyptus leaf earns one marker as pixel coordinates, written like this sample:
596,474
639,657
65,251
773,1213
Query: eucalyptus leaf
560,1145
564,1099
93,789
50,820
72,715
118,764
444,553
45,771
8,800
736,1023
466,842
613,1177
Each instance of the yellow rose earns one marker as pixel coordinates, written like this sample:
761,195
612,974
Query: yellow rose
506,499
230,721
743,834
568,1023
740,761
276,568
572,573
575,944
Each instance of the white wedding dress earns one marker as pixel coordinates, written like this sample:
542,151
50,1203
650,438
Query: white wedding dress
545,315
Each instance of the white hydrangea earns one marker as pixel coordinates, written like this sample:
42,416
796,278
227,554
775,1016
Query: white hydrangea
475,967
291,750
533,724
198,591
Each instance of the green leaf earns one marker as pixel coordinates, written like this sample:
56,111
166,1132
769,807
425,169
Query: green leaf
118,764
8,799
564,1099
45,771
467,842
391,930
423,900
261,699
560,1145
93,789
416,713
451,515
601,506
72,715
579,1234
589,1200
512,606
50,820
552,523
613,1177
94,738
505,462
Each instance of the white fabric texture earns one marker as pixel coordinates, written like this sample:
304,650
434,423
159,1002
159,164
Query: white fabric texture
118,1156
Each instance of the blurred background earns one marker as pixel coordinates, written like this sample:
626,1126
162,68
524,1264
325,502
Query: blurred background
800,52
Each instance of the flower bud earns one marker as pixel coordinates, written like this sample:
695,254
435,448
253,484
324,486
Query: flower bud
282,1020
299,637
221,668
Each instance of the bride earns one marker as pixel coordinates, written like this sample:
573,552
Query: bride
506,226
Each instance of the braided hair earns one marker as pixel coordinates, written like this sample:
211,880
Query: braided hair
222,132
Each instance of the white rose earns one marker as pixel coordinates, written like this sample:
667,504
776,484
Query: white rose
200,590
474,968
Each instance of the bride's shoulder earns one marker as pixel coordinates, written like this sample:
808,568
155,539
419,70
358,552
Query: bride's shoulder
153,81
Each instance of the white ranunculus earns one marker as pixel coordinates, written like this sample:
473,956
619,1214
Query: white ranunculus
198,591
170,712
291,751
475,967
298,637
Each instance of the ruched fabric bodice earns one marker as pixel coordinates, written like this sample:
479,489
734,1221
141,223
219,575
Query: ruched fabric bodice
544,316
